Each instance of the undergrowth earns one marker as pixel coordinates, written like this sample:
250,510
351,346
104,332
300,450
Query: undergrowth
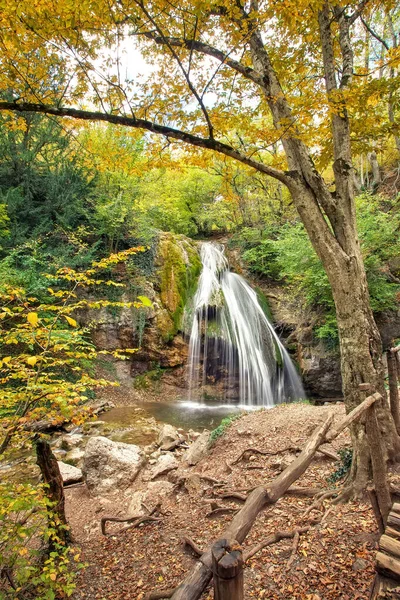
346,457
222,427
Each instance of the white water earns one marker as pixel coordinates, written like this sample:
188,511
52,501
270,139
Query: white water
231,339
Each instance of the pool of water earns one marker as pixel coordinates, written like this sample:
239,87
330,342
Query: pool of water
184,414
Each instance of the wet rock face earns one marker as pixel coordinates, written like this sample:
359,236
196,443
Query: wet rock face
389,326
321,373
110,466
155,331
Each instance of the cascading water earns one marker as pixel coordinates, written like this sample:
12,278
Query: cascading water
232,343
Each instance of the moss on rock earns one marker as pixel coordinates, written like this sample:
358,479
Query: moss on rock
179,266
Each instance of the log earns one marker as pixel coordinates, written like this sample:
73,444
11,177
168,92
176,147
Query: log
227,566
353,416
393,533
388,566
390,545
393,389
394,521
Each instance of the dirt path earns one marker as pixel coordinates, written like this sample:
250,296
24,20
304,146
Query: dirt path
333,560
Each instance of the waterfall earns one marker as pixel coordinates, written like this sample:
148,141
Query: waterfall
233,347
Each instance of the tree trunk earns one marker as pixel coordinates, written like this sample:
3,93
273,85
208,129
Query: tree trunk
54,490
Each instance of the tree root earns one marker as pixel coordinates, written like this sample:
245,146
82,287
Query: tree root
274,538
320,498
296,539
161,594
135,521
187,541
291,448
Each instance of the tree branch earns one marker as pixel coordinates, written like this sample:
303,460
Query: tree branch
203,48
169,132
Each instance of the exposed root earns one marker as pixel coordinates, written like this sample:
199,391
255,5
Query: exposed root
217,510
291,448
161,594
187,541
135,521
319,501
296,539
274,538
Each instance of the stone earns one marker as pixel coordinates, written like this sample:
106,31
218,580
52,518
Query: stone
70,441
69,473
75,456
166,463
154,494
198,449
168,435
110,466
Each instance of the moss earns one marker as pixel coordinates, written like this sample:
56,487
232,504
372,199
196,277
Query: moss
180,267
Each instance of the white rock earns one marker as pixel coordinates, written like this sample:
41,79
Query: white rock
198,449
69,473
164,464
110,466
168,434
155,493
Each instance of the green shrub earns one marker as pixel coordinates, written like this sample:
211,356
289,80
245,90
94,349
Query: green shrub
222,427
346,458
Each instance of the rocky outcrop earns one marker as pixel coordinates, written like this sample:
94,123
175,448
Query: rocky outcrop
110,466
320,370
154,331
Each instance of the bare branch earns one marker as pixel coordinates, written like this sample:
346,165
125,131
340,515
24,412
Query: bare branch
204,48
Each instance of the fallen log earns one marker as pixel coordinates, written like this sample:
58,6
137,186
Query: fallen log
199,577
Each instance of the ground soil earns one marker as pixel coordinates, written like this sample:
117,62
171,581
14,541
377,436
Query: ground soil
335,559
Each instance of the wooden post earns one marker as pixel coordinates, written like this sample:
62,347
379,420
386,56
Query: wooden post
227,567
379,466
393,390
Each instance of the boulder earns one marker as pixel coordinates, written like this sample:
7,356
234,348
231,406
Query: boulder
155,493
168,435
198,449
109,466
166,463
69,473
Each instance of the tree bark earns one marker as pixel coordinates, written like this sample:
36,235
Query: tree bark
54,489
